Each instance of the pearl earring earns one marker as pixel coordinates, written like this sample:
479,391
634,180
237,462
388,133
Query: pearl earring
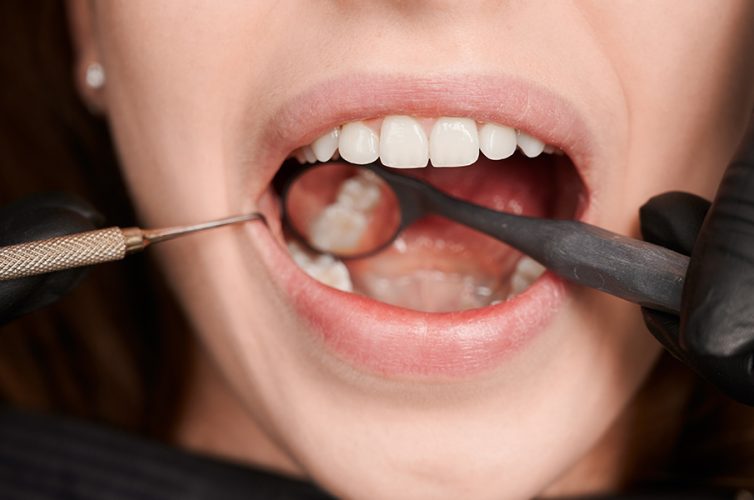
95,76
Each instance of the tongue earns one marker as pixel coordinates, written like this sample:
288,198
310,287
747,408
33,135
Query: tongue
437,265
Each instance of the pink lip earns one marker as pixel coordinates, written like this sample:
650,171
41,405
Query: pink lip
391,341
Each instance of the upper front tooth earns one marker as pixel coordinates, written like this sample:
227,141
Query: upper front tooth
309,154
531,146
325,146
454,142
359,144
403,143
497,141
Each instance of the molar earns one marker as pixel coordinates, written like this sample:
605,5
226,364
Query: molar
403,143
527,272
324,268
454,142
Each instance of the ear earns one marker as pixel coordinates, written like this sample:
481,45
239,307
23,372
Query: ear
86,51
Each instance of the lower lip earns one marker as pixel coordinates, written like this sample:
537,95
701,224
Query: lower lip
393,342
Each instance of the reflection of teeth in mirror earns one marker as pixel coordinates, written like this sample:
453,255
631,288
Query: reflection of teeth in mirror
445,141
323,268
338,229
341,225
360,192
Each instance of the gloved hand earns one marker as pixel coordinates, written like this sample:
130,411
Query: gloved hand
714,334
39,217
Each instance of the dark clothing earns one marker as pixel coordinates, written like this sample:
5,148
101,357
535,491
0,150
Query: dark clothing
46,458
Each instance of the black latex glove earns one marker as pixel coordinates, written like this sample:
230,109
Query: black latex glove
714,334
33,218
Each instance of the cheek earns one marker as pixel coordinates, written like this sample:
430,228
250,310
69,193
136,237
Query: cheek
175,87
690,101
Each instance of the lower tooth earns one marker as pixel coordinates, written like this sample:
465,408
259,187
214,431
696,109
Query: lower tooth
429,290
323,268
527,272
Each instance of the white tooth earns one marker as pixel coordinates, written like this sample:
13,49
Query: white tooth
497,142
338,229
403,143
325,146
453,142
323,268
361,192
531,146
549,149
309,154
358,144
530,268
527,271
300,157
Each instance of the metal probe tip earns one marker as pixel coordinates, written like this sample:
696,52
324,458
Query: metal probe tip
137,239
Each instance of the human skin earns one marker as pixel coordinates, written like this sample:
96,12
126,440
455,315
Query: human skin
193,90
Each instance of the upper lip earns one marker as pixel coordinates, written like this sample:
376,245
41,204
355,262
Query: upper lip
503,99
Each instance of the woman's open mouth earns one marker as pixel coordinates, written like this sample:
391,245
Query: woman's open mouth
441,300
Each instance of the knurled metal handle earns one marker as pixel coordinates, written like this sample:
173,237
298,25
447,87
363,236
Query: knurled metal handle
61,252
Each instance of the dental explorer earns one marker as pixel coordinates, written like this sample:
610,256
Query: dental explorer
95,247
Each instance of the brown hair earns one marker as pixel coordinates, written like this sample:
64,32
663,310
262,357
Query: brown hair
116,350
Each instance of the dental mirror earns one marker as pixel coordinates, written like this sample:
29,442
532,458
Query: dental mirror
342,209
353,211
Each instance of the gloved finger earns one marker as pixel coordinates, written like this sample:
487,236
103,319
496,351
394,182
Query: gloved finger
673,220
718,317
44,216
39,217
717,322
665,328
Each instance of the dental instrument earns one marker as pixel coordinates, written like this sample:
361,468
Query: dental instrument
635,270
95,247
